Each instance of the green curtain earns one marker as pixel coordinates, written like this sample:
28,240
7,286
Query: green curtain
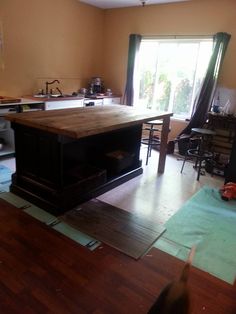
204,99
134,44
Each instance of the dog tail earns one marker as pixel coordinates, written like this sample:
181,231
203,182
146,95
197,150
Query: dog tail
185,272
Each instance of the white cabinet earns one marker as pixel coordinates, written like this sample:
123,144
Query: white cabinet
64,104
101,101
111,101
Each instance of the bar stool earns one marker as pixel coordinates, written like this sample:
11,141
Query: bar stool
201,138
152,139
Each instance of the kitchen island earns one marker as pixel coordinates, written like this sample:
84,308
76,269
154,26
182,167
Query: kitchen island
65,157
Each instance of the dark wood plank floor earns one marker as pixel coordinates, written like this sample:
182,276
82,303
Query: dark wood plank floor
126,232
41,271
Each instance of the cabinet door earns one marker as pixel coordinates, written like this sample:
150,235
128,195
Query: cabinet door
93,102
63,104
111,101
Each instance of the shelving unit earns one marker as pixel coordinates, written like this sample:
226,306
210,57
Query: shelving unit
231,169
222,143
224,126
6,138
31,107
6,132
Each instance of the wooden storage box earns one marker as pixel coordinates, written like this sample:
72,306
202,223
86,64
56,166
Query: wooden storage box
118,160
86,176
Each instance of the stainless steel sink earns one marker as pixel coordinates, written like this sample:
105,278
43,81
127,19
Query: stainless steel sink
58,96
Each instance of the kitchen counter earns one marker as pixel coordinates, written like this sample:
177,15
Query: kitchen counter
65,157
103,96
69,97
59,98
70,101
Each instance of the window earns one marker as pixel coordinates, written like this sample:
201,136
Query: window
169,73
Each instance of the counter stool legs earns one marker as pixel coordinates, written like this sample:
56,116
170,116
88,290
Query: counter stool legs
151,140
198,164
150,143
185,157
190,143
199,153
199,169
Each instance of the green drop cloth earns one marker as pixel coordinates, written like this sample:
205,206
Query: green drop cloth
208,222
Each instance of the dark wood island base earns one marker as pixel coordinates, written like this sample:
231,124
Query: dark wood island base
57,173
66,157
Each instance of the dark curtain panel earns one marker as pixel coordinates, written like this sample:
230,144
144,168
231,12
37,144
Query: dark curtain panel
204,99
134,44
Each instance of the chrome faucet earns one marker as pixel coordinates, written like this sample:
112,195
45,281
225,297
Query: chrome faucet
59,91
49,83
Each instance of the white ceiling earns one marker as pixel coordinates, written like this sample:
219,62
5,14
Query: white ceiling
111,4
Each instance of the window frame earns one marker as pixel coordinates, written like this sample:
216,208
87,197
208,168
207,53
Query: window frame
173,39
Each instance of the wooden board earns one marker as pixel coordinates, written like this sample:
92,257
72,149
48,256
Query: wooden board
8,100
118,228
86,121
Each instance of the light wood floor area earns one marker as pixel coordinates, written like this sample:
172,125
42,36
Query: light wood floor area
159,196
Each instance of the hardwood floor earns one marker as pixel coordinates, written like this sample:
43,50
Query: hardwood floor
156,196
41,271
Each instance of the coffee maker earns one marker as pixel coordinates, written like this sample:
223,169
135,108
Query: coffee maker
96,86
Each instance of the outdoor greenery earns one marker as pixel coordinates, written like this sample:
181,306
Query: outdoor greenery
170,74
183,94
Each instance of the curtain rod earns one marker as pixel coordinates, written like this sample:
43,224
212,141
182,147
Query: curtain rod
175,36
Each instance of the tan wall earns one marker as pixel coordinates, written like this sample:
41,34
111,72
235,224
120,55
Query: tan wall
176,127
49,39
196,17
68,40
71,41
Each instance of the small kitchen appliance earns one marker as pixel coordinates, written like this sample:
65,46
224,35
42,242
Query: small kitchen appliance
96,86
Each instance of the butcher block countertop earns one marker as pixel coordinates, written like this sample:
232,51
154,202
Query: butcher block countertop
86,121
